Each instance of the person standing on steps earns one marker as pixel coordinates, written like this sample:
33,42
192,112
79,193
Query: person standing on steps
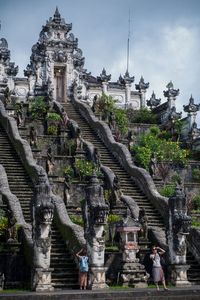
83,268
157,271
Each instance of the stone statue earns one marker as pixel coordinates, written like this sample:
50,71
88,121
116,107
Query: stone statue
49,162
111,121
96,158
42,212
95,212
65,118
7,95
153,165
178,228
144,223
117,193
19,114
12,230
67,187
130,139
95,104
33,137
79,143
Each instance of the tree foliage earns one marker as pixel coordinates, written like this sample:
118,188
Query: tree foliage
165,150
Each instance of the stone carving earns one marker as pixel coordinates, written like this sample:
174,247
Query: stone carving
143,219
116,191
60,56
142,86
20,118
2,281
153,165
49,162
7,95
67,187
171,92
95,212
178,228
103,76
33,137
132,273
43,210
153,101
191,107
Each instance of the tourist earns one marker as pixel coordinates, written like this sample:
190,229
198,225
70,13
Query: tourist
157,271
83,268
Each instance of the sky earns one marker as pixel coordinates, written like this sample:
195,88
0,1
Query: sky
164,38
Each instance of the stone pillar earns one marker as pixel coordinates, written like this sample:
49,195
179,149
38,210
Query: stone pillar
43,209
178,275
127,94
41,280
105,87
97,278
95,212
178,228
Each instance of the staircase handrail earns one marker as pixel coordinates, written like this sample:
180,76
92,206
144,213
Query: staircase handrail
15,206
120,151
73,232
193,242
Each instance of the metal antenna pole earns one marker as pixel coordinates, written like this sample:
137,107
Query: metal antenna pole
128,41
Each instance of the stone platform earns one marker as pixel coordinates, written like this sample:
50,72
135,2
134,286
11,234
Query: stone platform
129,294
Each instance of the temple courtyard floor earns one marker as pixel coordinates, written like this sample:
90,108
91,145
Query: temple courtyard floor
125,294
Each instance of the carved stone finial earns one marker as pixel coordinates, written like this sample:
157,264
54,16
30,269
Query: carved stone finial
103,76
153,101
191,107
126,78
171,92
173,115
56,17
142,86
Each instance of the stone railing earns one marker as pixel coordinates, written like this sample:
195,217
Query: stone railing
193,242
139,175
14,205
72,233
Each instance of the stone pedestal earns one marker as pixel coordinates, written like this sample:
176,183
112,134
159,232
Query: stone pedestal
97,278
41,280
178,274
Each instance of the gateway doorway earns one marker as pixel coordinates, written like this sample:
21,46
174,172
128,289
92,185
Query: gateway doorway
59,84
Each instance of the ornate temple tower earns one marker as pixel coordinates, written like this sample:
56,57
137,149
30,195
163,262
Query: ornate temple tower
7,68
56,60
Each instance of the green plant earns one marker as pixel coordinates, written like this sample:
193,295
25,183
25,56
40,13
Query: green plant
52,116
68,170
77,220
176,178
52,129
121,120
141,116
167,190
112,218
165,150
84,168
3,223
196,174
38,108
196,202
195,222
106,105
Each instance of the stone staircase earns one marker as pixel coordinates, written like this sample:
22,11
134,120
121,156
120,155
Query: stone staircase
65,274
128,187
194,270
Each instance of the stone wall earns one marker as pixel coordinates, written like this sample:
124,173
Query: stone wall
139,175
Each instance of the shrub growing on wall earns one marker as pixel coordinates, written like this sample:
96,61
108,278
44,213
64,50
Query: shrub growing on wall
165,150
